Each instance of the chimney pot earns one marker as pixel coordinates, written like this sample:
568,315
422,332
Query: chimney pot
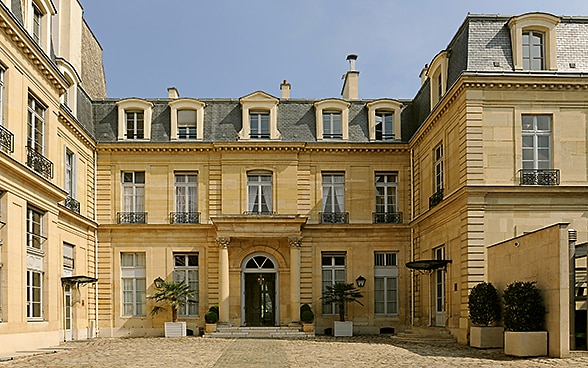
173,93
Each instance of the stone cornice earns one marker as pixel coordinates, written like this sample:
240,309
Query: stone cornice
38,58
73,127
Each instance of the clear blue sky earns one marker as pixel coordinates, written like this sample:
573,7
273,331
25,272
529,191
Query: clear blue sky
230,48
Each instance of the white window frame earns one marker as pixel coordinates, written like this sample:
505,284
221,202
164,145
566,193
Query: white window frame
384,106
35,229
260,192
259,125
188,272
133,283
33,299
2,74
133,191
386,275
68,259
332,273
332,106
528,47
134,105
186,191
36,111
70,173
333,186
186,104
438,168
259,102
38,13
541,141
389,192
536,22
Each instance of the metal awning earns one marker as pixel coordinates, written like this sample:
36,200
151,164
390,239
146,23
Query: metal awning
78,280
428,264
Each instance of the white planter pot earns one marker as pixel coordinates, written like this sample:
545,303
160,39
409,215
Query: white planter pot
343,328
486,337
525,344
175,329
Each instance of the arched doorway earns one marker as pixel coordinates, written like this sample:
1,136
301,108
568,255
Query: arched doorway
260,295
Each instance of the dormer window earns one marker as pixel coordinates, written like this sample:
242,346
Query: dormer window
36,26
332,119
39,21
187,119
533,40
260,117
384,120
134,119
69,97
437,74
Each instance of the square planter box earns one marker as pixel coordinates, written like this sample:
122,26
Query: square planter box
210,328
525,344
307,327
175,329
343,328
486,337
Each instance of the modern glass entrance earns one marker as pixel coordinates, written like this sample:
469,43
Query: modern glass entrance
259,291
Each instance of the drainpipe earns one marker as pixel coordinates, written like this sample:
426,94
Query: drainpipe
572,238
95,252
412,297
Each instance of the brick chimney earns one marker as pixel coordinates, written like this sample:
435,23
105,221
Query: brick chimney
285,88
350,89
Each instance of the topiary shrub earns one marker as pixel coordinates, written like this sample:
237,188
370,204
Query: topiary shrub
523,307
484,305
214,309
211,317
306,314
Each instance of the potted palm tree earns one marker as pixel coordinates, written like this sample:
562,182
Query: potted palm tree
176,294
524,318
341,293
485,313
307,318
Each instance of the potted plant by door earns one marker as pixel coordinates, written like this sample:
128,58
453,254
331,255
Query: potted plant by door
176,294
341,293
524,318
307,318
211,318
485,312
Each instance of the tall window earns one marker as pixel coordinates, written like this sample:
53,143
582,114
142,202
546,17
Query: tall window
259,192
186,193
384,126
70,178
385,283
133,191
186,124
68,259
34,295
438,168
334,198
36,26
333,271
135,123
133,284
259,125
533,50
34,228
35,125
332,124
1,97
386,195
186,269
536,141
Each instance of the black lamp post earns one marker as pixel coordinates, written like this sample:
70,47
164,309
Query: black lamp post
158,282
360,281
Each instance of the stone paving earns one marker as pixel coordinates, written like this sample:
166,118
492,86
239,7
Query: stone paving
356,352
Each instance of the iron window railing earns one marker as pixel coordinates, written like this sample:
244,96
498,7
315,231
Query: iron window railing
436,198
259,213
334,217
539,176
72,204
184,217
39,163
387,217
6,140
131,217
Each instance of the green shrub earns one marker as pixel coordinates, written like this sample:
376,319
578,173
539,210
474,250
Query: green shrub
306,314
523,307
211,317
484,304
214,309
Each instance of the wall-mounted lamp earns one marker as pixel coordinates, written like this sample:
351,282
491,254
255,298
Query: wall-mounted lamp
360,281
158,282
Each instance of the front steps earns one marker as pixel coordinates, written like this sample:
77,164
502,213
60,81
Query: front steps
260,332
437,335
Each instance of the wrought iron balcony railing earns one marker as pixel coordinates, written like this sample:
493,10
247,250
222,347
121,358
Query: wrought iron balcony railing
387,217
72,204
131,217
6,140
259,213
539,176
39,163
184,217
334,217
436,198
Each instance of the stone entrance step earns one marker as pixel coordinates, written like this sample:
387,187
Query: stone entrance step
285,332
425,335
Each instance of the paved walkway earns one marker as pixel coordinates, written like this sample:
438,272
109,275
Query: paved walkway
356,352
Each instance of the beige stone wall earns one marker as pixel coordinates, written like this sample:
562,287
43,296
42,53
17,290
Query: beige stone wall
92,72
540,256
